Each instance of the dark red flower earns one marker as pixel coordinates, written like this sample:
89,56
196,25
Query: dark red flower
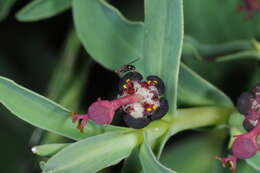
152,107
246,145
141,102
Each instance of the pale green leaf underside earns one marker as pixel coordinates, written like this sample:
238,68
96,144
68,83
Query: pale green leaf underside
127,39
163,37
254,161
194,90
48,149
42,9
149,162
92,154
109,38
42,112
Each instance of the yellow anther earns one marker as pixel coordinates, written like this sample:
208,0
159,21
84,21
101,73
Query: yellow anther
155,82
148,81
124,86
154,107
128,80
149,109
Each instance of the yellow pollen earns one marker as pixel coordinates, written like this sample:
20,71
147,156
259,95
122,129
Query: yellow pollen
124,86
149,109
154,107
128,80
155,82
148,81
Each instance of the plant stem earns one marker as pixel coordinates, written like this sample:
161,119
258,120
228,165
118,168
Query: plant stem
190,118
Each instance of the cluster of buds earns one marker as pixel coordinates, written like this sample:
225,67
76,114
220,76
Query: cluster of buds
246,145
141,102
250,6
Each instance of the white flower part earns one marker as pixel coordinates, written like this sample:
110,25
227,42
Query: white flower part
255,105
137,108
137,111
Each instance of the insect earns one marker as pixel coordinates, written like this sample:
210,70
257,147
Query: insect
126,68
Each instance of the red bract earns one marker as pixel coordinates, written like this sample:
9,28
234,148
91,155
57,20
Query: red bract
103,111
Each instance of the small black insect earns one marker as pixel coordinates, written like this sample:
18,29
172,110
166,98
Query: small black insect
126,68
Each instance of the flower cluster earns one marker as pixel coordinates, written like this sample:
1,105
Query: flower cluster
246,145
141,102
250,6
153,106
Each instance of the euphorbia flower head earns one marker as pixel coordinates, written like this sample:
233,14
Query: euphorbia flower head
153,106
246,145
141,101
248,104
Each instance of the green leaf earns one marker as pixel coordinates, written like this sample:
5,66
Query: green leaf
44,113
91,17
163,39
149,162
253,54
5,7
195,153
243,167
92,154
48,149
160,143
222,21
254,161
192,47
42,9
132,162
128,43
194,90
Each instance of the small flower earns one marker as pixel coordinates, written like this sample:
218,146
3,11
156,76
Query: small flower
249,124
153,106
141,101
249,104
246,145
243,147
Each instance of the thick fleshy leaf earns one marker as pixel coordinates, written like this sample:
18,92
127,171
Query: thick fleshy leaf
149,162
109,38
163,39
194,90
42,9
132,162
195,153
42,112
92,154
218,52
254,161
48,149
125,33
5,6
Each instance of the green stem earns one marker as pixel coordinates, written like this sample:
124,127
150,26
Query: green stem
187,118
199,117
219,51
